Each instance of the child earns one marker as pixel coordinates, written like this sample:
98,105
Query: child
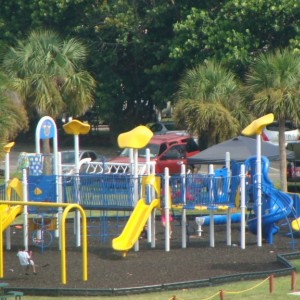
26,261
163,220
144,233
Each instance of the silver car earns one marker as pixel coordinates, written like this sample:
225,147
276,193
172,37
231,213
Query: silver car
270,133
164,127
68,159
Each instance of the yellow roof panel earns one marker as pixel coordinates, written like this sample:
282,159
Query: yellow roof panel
136,138
257,125
76,127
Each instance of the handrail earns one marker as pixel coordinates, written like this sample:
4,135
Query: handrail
67,207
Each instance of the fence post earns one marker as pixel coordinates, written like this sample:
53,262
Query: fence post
271,283
293,285
221,295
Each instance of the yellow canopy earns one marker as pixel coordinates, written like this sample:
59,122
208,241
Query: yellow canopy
76,127
136,138
257,125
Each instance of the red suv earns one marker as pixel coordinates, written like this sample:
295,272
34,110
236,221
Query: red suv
169,150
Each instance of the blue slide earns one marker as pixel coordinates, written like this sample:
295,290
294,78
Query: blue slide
276,205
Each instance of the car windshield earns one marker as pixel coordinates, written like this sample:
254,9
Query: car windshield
172,126
154,151
68,157
275,126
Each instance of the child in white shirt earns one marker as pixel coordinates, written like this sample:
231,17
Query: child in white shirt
26,261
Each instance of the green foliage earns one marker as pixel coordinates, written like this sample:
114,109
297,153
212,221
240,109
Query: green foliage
235,31
208,100
46,73
274,81
13,117
140,49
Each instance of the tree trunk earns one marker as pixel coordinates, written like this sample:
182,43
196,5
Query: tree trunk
47,166
282,153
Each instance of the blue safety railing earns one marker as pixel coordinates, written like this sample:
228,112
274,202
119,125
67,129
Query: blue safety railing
100,191
204,190
2,191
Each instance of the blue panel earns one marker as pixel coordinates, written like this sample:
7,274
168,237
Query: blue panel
47,130
42,188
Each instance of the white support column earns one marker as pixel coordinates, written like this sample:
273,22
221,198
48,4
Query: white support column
183,217
228,227
211,213
77,188
150,221
167,210
136,187
228,223
243,206
227,163
7,176
25,210
60,198
259,192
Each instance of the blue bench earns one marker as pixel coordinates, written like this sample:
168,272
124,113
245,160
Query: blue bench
18,295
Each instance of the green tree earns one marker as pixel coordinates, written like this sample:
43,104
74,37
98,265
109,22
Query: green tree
140,49
274,83
235,31
131,40
13,117
47,73
209,104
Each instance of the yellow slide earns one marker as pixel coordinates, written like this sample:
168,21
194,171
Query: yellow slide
9,213
296,224
134,226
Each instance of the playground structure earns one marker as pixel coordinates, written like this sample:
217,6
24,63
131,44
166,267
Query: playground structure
11,209
223,190
139,216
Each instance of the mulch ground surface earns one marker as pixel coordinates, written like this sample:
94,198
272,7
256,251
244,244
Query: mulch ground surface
108,269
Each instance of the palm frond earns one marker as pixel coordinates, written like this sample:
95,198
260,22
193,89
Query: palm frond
47,74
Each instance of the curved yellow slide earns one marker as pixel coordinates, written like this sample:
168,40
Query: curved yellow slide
296,224
134,226
9,213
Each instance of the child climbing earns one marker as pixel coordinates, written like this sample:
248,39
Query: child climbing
163,220
162,210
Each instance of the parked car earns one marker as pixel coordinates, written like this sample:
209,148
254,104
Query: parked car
168,127
170,150
68,159
270,133
165,127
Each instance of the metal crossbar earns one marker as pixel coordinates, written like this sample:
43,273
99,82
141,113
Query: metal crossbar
112,168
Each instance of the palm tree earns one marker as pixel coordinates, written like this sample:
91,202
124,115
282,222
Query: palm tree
209,104
13,117
274,83
47,73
